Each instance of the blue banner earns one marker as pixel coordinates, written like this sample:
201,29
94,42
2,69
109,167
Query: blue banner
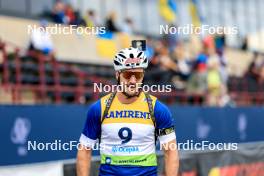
237,125
49,129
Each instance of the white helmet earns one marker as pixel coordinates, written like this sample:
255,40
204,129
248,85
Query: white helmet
129,58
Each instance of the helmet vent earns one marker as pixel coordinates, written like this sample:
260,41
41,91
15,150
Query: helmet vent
117,63
121,55
139,54
145,61
131,55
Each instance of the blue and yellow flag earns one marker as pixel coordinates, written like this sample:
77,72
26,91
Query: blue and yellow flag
167,9
194,12
105,45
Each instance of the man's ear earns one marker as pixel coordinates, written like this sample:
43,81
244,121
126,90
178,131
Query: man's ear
117,74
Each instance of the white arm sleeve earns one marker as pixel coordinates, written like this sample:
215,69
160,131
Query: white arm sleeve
167,138
87,142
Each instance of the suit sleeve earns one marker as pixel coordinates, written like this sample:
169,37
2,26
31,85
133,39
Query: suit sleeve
164,123
92,128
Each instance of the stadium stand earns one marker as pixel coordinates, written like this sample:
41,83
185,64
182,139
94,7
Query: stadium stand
68,77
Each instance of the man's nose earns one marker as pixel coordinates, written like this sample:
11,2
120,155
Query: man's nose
132,79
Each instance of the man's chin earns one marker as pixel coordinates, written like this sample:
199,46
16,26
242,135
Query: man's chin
131,94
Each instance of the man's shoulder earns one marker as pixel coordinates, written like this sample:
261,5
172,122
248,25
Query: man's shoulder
103,100
105,97
100,103
157,102
152,97
160,106
163,115
95,106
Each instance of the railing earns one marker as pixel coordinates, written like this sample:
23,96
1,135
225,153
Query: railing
41,88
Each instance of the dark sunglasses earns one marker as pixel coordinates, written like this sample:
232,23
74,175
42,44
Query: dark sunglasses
127,74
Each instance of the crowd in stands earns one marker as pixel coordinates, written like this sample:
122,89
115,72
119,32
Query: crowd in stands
202,73
255,74
63,13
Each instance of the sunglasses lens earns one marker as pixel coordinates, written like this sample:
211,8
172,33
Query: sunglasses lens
138,75
127,75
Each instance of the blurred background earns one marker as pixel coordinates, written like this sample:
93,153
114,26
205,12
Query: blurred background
47,80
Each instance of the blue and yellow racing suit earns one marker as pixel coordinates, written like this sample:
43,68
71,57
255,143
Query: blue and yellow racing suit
127,135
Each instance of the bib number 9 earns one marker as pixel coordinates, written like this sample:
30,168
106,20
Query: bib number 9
125,134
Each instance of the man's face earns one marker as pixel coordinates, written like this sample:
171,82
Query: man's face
131,79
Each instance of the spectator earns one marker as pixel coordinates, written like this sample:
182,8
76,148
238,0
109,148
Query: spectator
69,15
244,46
166,63
255,78
252,68
183,67
162,67
220,45
211,52
219,40
91,19
110,23
79,21
214,82
58,12
128,26
40,39
197,83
